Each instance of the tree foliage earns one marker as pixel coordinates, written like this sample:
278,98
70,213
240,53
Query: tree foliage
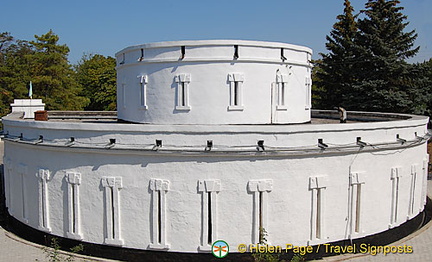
366,66
44,62
15,70
425,79
96,75
383,48
334,73
53,77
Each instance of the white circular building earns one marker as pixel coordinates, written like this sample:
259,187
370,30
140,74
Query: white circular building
215,141
214,82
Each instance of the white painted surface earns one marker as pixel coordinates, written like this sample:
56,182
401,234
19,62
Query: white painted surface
181,195
211,68
27,106
288,205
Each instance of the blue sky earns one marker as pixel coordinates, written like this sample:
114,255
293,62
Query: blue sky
105,27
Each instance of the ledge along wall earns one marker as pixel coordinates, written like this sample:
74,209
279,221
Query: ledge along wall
182,193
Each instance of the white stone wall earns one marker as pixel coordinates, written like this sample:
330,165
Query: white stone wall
150,87
27,106
117,194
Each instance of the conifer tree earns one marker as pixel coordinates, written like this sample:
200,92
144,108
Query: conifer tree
52,75
383,77
420,91
334,76
5,40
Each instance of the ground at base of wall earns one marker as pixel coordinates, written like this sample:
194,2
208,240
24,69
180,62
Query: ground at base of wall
127,254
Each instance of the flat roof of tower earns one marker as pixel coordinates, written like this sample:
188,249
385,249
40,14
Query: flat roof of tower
217,43
318,117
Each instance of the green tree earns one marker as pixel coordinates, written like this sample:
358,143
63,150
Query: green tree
96,75
14,70
5,41
383,79
425,76
52,76
333,74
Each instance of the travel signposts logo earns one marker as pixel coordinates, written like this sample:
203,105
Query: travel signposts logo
220,249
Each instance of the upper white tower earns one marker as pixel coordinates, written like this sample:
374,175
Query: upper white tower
214,82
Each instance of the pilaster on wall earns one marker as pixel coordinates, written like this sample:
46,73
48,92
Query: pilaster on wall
317,186
412,199
236,91
424,183
8,177
22,172
143,91
357,181
74,227
396,175
209,189
281,91
159,188
112,186
260,190
183,82
43,176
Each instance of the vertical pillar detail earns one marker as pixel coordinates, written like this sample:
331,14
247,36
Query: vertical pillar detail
282,85
236,91
183,82
357,180
143,91
112,186
159,188
22,171
8,183
396,174
317,186
43,176
411,207
73,181
260,190
208,189
308,90
422,203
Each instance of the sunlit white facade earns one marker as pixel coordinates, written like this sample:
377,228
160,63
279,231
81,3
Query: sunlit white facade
217,144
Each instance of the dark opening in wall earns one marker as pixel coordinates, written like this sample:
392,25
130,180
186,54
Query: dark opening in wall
209,220
236,53
236,94
183,52
74,211
142,55
159,227
113,214
183,94
282,55
260,218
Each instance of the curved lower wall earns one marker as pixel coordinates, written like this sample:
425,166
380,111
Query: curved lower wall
181,197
